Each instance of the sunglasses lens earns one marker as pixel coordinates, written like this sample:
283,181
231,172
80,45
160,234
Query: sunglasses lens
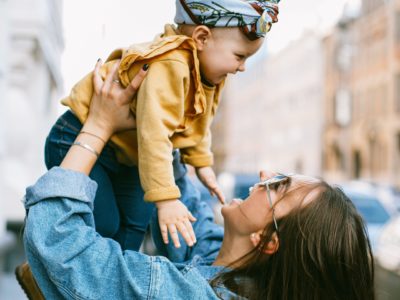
280,179
273,183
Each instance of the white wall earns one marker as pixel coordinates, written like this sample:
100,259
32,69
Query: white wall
3,70
33,42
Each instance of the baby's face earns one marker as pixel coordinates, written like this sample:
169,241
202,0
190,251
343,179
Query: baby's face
226,53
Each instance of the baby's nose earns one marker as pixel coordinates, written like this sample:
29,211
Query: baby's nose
242,67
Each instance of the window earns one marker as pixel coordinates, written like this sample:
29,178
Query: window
357,164
397,23
343,105
338,158
397,92
398,143
370,5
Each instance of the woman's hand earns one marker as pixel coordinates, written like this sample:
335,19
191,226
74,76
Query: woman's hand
109,109
207,176
109,113
173,216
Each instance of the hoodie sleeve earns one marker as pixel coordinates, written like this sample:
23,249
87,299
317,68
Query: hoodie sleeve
159,111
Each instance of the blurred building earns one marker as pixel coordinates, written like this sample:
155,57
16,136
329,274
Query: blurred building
3,40
362,133
31,44
271,115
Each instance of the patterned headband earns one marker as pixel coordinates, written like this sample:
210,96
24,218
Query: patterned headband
254,17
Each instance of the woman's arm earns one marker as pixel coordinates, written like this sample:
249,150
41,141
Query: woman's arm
109,113
69,259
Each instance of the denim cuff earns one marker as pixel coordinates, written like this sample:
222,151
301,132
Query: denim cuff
61,183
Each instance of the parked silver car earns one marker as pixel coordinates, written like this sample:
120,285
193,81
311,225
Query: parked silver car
371,208
387,257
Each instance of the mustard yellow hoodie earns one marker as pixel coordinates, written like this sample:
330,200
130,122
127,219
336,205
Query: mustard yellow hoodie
173,109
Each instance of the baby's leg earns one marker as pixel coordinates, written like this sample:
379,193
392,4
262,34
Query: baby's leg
58,142
134,211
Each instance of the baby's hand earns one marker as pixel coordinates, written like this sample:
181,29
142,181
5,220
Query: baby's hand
207,176
173,216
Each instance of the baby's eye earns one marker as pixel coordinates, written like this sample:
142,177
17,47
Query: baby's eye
239,56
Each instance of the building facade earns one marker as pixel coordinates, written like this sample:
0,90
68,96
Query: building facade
271,115
362,133
30,83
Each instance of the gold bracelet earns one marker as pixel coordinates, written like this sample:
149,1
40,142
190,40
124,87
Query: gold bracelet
87,147
92,134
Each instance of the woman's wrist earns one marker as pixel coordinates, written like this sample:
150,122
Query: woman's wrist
97,129
83,153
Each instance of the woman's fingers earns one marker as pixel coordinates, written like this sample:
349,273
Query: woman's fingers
97,81
174,235
112,75
132,88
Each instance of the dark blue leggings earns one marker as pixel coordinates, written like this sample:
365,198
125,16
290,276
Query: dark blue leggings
120,212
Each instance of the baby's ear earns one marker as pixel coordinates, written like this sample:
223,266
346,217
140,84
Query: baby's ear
201,35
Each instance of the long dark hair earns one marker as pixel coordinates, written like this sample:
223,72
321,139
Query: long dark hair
324,253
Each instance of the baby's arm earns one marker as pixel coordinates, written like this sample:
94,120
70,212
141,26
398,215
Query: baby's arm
201,157
209,235
207,176
159,112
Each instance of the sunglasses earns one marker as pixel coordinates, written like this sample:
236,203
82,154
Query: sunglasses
272,183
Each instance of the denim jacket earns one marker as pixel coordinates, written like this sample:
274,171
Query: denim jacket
70,260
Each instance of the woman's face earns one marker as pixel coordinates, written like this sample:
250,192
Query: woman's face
254,213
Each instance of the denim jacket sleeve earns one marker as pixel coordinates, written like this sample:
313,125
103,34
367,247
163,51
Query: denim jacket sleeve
70,260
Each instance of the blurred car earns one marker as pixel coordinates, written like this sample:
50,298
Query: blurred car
388,246
371,208
388,195
387,258
237,185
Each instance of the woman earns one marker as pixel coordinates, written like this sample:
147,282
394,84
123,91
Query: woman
294,237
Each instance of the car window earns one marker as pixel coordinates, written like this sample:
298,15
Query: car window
370,208
242,184
241,191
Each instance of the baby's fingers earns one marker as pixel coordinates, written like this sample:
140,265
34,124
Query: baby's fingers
189,228
164,233
174,235
191,218
185,234
220,195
